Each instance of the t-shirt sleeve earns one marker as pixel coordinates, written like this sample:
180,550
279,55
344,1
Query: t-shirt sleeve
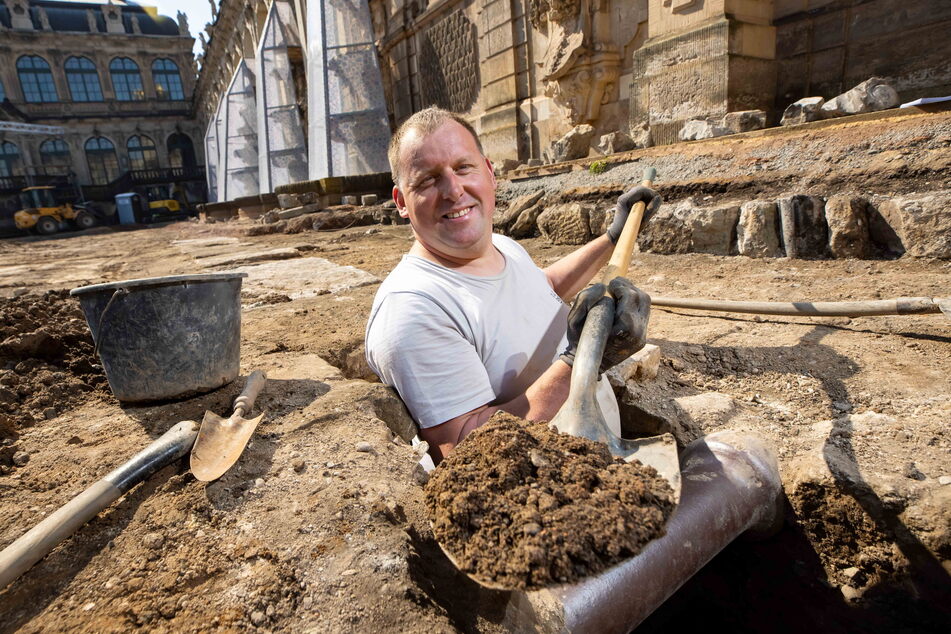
416,347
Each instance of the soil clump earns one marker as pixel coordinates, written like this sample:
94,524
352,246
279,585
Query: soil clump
46,361
524,506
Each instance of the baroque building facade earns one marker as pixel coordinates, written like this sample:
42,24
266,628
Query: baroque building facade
525,72
116,79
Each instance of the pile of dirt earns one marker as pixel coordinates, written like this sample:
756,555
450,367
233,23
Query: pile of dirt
524,506
46,360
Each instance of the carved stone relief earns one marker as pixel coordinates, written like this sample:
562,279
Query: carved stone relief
581,64
448,63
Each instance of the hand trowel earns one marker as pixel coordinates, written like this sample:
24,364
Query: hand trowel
221,441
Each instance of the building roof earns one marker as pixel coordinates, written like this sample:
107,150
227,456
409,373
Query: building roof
71,17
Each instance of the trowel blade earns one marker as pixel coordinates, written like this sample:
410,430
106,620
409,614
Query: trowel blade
220,443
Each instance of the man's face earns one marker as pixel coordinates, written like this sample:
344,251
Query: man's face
447,190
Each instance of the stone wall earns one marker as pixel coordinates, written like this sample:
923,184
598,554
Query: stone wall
825,47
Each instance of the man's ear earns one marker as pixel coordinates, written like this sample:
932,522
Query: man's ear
400,202
488,164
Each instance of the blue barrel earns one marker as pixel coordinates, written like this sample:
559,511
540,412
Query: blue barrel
164,338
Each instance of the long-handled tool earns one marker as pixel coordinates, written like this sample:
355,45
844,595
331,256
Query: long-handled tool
221,441
581,415
898,306
20,556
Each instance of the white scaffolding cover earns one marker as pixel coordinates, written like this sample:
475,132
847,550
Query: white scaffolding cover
348,130
282,144
240,163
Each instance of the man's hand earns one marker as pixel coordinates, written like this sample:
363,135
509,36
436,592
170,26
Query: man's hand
632,308
584,302
626,202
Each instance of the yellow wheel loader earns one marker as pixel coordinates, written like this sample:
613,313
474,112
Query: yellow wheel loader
41,212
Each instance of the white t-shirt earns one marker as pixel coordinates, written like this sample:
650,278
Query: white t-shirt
450,342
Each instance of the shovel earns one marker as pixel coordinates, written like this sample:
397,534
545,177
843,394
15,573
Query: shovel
221,441
581,415
20,556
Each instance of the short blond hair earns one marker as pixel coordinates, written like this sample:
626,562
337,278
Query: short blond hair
424,122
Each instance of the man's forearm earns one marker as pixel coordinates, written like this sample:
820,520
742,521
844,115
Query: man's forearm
541,401
572,273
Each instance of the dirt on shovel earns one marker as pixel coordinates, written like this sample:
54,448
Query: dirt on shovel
523,507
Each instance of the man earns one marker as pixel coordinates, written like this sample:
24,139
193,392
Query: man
467,325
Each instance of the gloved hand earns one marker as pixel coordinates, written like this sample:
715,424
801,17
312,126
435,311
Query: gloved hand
626,202
632,308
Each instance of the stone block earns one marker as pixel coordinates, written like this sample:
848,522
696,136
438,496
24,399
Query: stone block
348,200
287,214
923,223
526,225
697,129
288,201
640,366
871,95
804,229
369,199
614,142
566,224
757,233
803,111
848,226
641,135
687,228
744,121
884,227
504,219
574,145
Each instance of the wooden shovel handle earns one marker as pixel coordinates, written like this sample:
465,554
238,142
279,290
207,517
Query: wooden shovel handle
621,257
253,387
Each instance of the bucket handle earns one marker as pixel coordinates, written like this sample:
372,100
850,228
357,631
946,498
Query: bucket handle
102,317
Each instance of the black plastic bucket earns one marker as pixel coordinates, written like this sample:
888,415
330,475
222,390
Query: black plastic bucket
166,337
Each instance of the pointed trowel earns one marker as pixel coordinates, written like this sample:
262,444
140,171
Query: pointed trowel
221,441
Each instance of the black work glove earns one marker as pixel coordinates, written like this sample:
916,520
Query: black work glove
632,308
626,202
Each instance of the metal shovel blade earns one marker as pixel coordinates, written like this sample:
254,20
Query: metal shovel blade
221,441
581,415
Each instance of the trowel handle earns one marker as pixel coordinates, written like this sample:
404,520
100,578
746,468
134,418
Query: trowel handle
253,387
621,257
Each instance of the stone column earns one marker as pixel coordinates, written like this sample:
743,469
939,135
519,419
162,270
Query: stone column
502,92
703,58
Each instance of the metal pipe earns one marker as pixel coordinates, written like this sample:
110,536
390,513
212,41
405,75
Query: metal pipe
731,486
898,306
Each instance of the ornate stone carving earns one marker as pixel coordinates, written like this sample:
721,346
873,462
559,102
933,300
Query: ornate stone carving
449,64
182,23
581,64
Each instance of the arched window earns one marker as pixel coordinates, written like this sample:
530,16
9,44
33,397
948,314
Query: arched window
181,151
168,83
83,79
142,154
101,157
36,79
54,153
126,79
9,158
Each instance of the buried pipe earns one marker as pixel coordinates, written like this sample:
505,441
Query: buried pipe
731,487
898,306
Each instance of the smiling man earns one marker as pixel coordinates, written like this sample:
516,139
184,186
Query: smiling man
466,324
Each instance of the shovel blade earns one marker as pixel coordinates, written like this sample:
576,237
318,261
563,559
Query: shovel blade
659,452
220,443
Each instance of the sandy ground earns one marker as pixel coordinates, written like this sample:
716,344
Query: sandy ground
321,525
